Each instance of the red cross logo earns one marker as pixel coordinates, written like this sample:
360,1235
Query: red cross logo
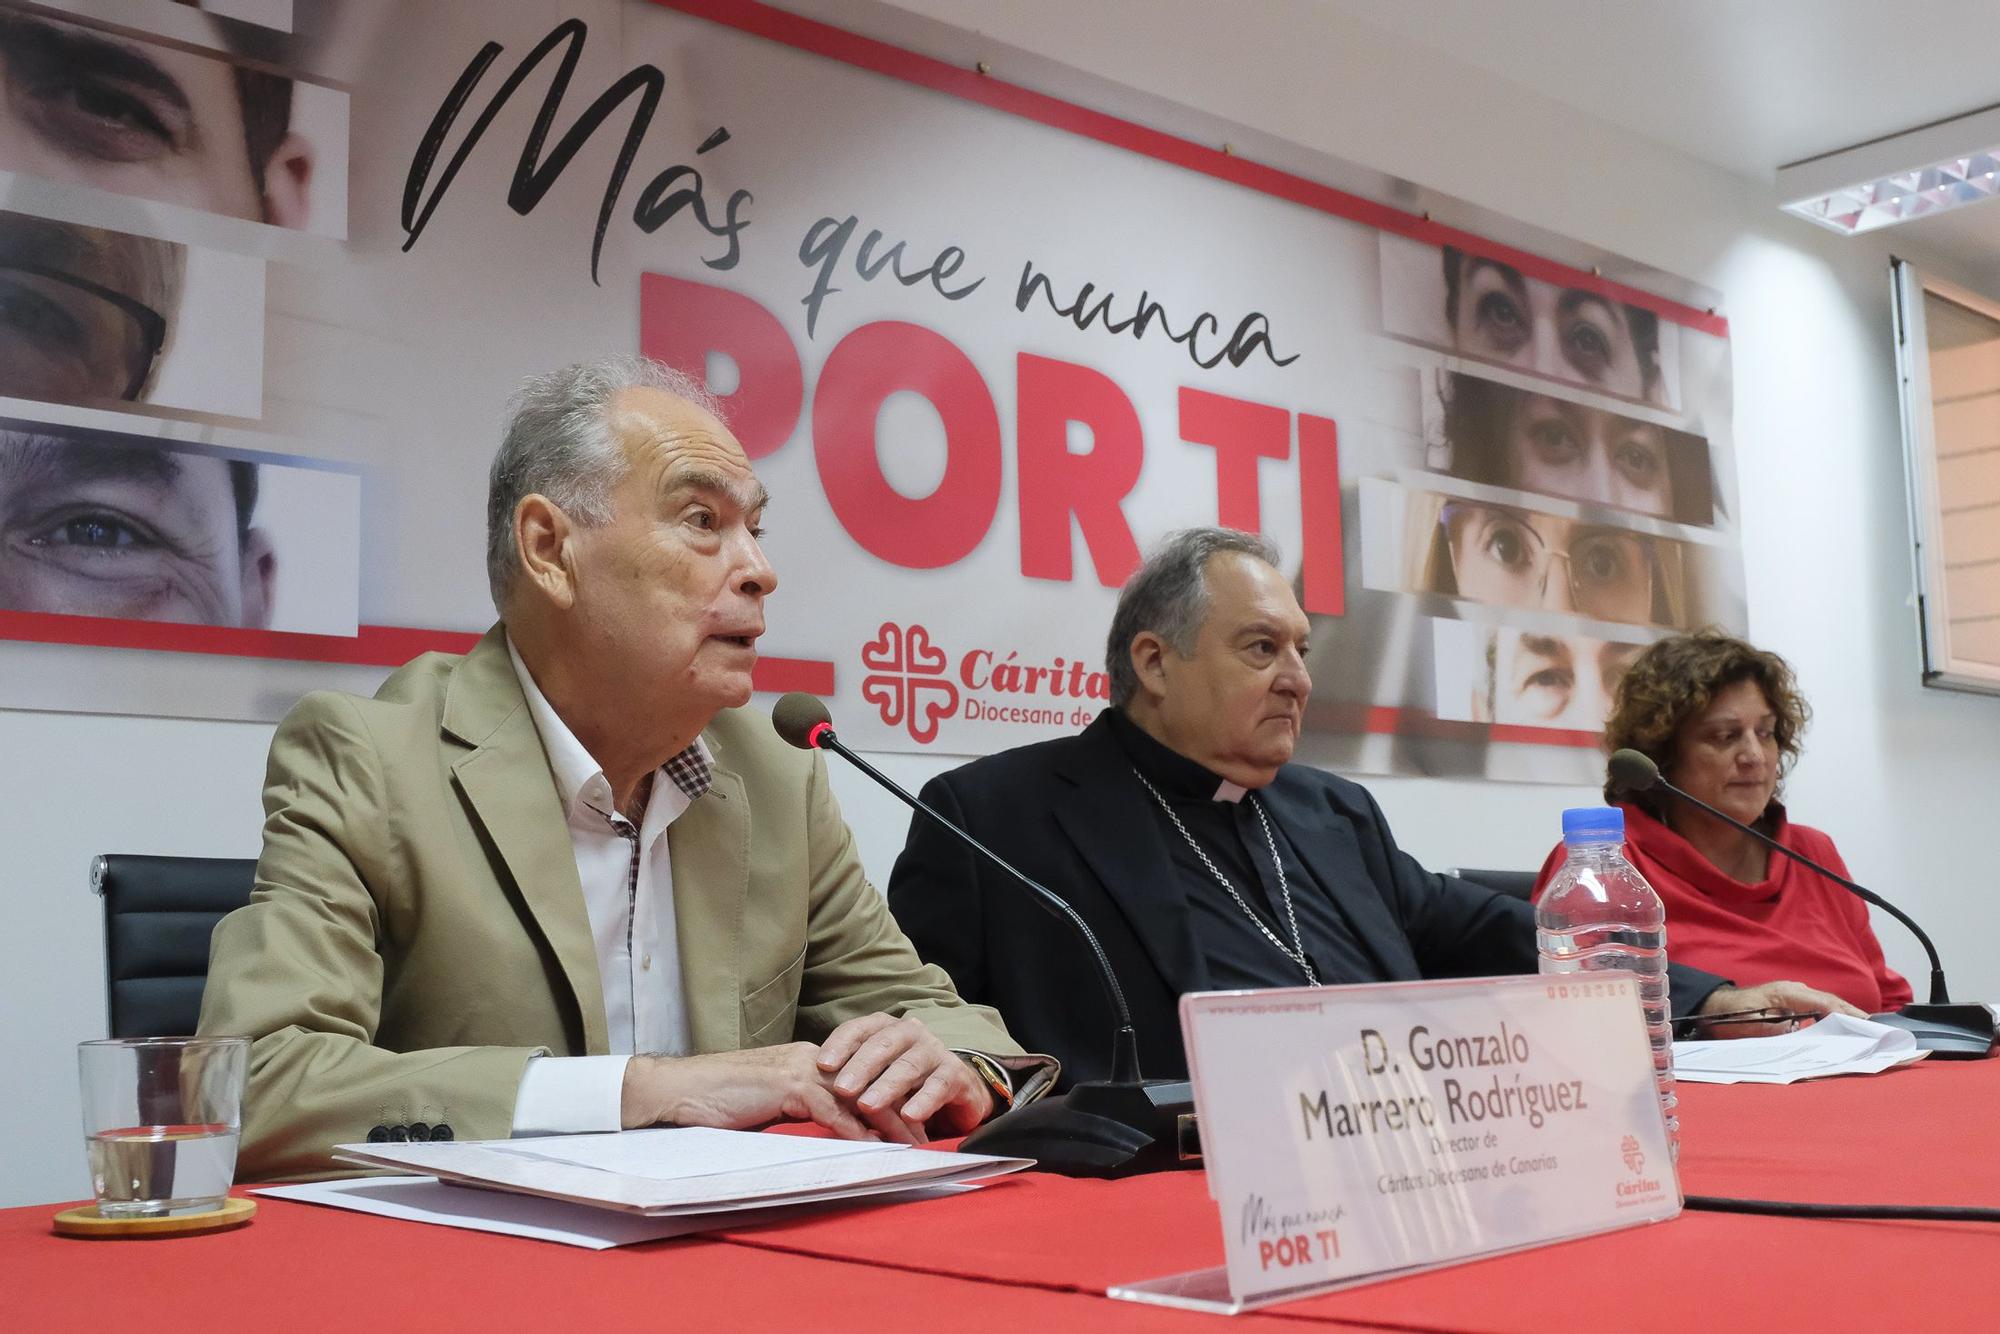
906,680
1634,1158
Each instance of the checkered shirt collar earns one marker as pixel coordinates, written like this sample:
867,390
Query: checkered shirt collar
693,770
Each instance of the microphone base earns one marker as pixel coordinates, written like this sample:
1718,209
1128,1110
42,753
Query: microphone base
1100,1129
1947,1032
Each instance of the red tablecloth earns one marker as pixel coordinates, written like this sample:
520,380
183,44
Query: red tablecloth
1915,1135
303,1269
1032,1252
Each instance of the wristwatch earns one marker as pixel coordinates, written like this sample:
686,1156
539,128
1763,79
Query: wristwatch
995,1077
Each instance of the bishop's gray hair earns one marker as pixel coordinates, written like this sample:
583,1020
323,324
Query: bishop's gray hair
1169,596
558,443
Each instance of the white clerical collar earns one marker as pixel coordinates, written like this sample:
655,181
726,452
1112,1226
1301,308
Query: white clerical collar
1228,791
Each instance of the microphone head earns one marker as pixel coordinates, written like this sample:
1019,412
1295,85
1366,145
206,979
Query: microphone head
1632,771
801,719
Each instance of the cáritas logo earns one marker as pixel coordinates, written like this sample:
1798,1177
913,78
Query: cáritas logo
908,678
1638,1189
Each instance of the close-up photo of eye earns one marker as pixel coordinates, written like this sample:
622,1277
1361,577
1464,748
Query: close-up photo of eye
95,116
1555,443
1510,543
174,116
1502,321
1605,558
1590,349
32,321
1550,678
97,532
1640,461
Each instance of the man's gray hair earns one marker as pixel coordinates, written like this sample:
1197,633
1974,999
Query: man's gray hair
558,443
1169,596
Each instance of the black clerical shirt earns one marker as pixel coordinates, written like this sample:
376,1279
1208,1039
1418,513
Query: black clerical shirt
1220,817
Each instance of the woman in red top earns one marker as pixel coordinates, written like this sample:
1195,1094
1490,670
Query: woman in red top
1723,721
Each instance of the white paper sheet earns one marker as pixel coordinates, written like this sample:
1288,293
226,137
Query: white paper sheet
689,1170
1836,1045
684,1153
428,1200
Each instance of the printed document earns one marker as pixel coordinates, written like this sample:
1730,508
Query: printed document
686,1170
1836,1045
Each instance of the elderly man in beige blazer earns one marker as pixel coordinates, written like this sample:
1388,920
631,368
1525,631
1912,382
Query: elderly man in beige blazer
566,882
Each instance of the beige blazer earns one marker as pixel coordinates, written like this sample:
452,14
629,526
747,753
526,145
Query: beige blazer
418,932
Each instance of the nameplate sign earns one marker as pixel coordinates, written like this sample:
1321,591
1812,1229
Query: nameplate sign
1355,1133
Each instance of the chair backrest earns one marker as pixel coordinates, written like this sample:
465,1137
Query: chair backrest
158,913
1519,884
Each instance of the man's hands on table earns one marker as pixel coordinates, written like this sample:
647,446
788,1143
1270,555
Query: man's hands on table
874,1077
903,1079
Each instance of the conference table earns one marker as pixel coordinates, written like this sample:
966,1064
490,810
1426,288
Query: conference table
1035,1252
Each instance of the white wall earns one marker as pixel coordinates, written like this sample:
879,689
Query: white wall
1895,772
71,787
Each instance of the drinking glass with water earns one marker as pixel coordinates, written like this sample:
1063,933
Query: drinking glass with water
161,1118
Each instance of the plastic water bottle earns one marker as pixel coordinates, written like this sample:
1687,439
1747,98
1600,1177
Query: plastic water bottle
1599,913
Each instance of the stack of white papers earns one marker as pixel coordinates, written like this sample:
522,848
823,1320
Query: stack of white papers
428,1200
677,1172
1836,1045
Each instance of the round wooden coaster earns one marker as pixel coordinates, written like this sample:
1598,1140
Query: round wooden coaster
85,1221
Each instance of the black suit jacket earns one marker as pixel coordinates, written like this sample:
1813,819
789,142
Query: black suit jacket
1071,815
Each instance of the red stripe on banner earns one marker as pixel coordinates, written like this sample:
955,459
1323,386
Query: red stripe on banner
1383,720
778,675
1544,736
823,39
369,646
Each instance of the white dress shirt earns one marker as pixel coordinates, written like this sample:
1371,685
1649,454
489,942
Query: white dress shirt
628,892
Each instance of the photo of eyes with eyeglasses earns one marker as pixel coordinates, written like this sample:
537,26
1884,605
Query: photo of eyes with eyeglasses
1507,556
1505,436
1487,309
136,117
102,318
95,527
1527,678
84,313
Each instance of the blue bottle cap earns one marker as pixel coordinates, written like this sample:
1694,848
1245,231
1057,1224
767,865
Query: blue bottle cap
1593,824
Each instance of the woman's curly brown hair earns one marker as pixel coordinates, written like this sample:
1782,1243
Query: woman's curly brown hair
1676,679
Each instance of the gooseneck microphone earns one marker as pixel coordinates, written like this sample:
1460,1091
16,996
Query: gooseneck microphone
803,720
1634,771
1104,1128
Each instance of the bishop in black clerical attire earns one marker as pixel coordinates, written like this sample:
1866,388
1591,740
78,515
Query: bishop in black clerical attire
1204,860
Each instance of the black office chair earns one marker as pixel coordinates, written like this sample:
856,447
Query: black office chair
158,913
1519,884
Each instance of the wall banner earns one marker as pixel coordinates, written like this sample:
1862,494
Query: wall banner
985,345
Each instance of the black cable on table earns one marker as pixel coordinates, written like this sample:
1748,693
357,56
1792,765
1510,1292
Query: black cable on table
1947,1213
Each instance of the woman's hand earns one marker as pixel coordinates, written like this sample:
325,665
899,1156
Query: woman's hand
1778,998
